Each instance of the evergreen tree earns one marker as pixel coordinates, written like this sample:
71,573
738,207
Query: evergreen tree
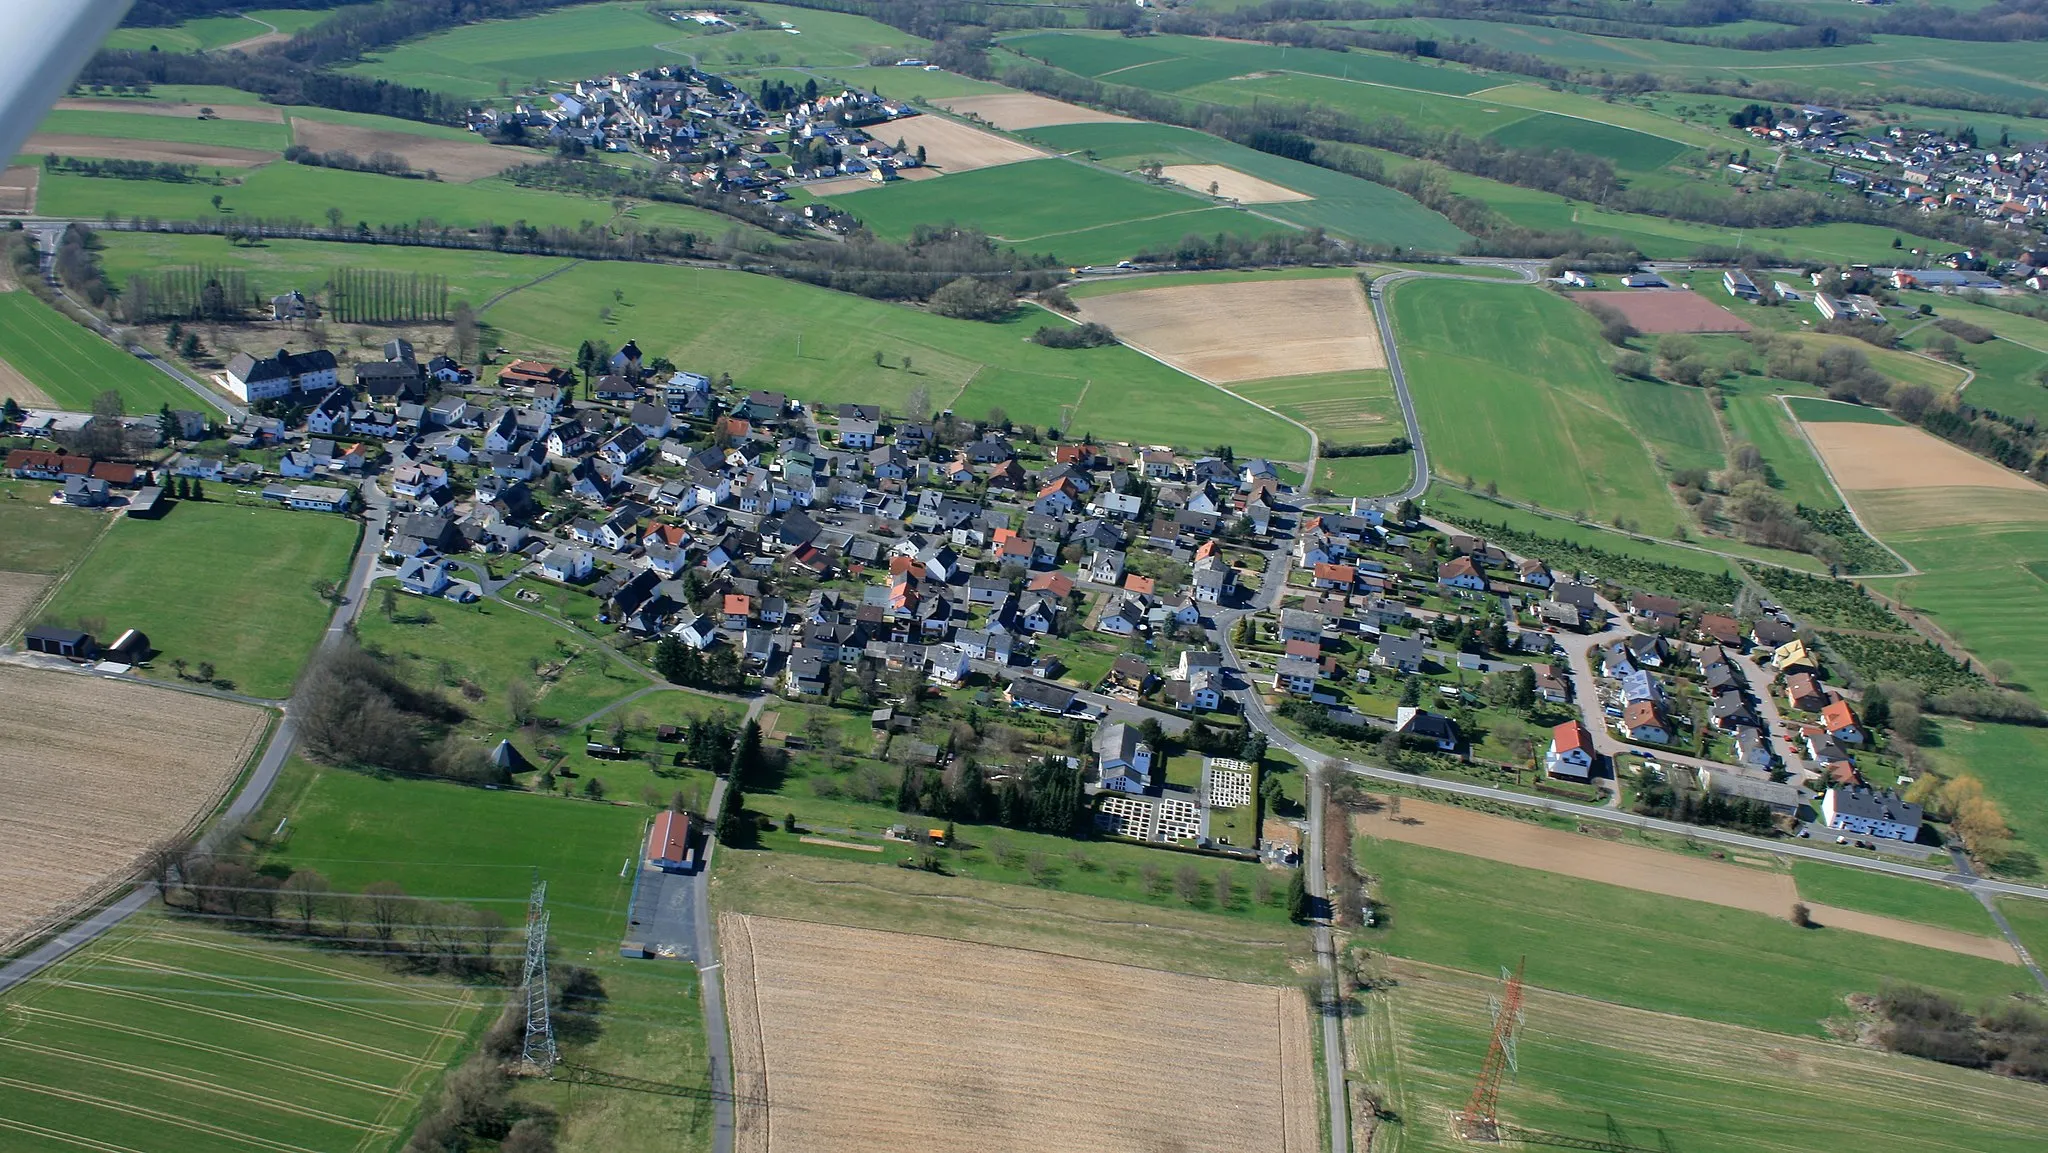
747,760
1297,897
1411,691
166,424
198,489
670,658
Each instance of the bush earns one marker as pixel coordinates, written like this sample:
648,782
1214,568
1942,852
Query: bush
970,299
1964,330
1089,335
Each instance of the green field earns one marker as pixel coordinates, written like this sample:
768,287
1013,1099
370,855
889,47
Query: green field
2029,921
1078,213
692,316
72,366
210,32
1343,407
38,537
135,126
1863,891
1343,205
1644,950
283,191
171,1033
222,583
1365,475
1795,471
1814,410
2006,368
276,266
1583,1065
588,40
1172,63
2012,761
1512,389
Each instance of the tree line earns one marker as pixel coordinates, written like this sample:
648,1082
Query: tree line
188,292
381,296
111,169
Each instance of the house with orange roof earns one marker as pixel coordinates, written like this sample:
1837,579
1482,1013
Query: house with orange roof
1840,721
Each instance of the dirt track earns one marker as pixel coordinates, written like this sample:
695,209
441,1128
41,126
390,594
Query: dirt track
260,113
1247,330
459,161
1015,111
863,1040
1230,182
160,151
951,146
1532,846
92,771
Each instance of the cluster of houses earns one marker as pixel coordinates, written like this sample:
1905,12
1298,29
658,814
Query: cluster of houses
719,137
1932,170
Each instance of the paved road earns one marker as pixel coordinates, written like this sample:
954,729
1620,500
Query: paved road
254,789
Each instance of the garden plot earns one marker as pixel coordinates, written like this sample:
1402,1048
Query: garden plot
92,772
1247,330
1231,183
851,1039
1016,111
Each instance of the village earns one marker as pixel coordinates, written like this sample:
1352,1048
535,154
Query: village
1189,607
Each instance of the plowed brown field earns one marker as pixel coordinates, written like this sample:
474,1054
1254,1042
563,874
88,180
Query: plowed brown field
1016,111
952,146
157,151
1232,183
17,591
92,772
456,160
1247,330
851,1039
260,113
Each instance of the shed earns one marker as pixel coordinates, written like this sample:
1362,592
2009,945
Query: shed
131,647
60,642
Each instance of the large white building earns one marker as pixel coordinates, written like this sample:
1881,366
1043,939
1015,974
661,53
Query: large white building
1874,813
251,379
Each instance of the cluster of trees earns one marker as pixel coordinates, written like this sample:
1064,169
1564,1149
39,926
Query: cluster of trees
2011,441
2010,1038
1047,797
78,265
188,292
777,95
1089,335
276,79
387,163
1394,447
973,298
1310,246
122,169
381,296
1661,799
359,712
682,665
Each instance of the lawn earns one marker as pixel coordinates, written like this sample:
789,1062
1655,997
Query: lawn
171,1033
1077,212
72,365
38,537
221,583
824,350
1864,891
493,646
284,191
1595,1072
1644,950
1341,204
1513,389
1365,475
135,126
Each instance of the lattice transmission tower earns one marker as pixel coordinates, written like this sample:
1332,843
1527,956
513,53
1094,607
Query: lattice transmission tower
1480,1120
539,1050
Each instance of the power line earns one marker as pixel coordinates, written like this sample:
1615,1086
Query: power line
539,1048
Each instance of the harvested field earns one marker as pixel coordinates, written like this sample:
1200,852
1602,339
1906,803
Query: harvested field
19,387
1016,111
853,1039
1862,457
18,590
1231,183
1532,846
18,192
1247,330
162,152
845,184
260,113
952,146
1909,510
1664,310
457,161
92,772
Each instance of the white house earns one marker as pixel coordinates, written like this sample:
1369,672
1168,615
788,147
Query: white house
950,664
1124,757
1860,809
424,575
251,379
568,565
1571,752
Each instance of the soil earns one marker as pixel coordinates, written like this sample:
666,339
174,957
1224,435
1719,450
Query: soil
18,590
25,393
92,772
1664,310
952,146
852,1039
1015,111
260,113
457,161
1250,330
1864,457
159,151
1231,183
839,186
18,194
1647,870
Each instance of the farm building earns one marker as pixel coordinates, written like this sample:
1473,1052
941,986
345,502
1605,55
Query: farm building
60,642
131,647
668,842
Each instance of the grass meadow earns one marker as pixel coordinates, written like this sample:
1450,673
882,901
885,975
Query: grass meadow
38,537
1759,418
223,583
824,349
136,126
1343,205
1512,389
276,266
72,366
2012,761
1345,408
210,32
1644,950
1863,891
1365,475
2029,921
1594,1071
170,1033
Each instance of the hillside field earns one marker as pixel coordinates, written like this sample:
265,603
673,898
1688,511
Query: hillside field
223,583
72,366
